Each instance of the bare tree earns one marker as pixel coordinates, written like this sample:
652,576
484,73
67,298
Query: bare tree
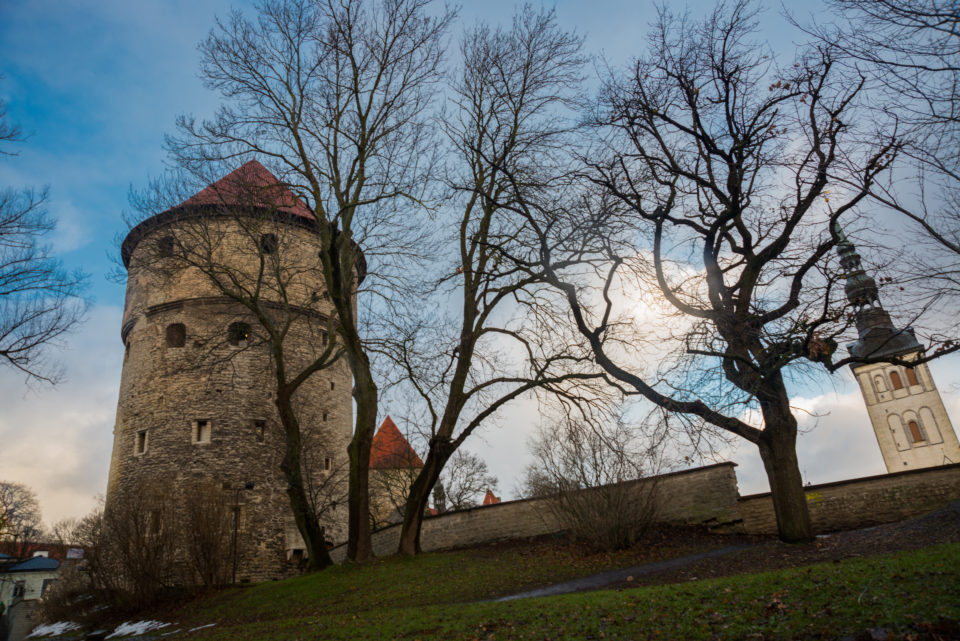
62,531
712,201
40,301
911,51
134,556
207,525
587,472
333,97
19,516
465,477
506,120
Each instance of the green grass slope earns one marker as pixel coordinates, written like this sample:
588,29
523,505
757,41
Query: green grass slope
909,595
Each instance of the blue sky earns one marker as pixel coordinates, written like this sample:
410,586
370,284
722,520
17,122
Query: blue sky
96,84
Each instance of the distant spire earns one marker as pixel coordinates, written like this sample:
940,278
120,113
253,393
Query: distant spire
861,288
878,336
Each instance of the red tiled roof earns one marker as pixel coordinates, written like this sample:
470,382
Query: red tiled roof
25,550
490,499
391,450
251,184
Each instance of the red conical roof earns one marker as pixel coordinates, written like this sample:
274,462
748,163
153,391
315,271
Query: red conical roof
490,498
391,450
250,185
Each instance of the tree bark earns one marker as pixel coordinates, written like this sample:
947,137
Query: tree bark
778,450
419,498
359,544
318,557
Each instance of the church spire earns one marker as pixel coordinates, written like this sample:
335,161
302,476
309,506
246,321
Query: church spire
878,336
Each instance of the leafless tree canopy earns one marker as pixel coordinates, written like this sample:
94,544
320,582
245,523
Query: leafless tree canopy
507,124
19,515
584,471
712,191
40,301
465,480
911,51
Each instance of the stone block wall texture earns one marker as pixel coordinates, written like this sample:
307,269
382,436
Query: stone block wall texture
165,389
862,502
705,495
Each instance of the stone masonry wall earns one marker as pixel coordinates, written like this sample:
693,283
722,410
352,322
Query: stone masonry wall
862,502
165,389
705,495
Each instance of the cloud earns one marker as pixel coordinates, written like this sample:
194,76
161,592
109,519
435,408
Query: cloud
58,440
71,233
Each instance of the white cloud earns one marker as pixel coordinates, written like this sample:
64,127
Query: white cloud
58,440
71,232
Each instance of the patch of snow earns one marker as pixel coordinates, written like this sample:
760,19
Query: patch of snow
52,629
201,627
133,628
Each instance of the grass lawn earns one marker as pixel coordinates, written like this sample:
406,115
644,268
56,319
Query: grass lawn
908,595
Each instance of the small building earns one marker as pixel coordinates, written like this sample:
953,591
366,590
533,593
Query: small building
393,467
22,584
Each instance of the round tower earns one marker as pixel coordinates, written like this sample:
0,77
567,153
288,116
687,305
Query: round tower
214,285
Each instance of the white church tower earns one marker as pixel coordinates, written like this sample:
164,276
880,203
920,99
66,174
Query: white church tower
905,408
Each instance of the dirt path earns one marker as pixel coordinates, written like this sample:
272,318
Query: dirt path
611,577
940,526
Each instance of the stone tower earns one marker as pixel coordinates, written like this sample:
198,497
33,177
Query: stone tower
197,439
905,408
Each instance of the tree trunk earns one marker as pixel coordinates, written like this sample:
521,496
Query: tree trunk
318,557
778,449
359,544
418,500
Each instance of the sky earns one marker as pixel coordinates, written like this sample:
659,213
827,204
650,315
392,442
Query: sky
96,84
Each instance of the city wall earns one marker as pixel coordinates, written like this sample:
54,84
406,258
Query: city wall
862,502
705,495
702,496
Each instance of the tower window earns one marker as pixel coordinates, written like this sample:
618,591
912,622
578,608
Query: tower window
268,243
201,431
916,434
140,443
165,246
259,430
895,381
332,385
154,522
880,383
238,334
327,463
324,417
176,335
912,376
